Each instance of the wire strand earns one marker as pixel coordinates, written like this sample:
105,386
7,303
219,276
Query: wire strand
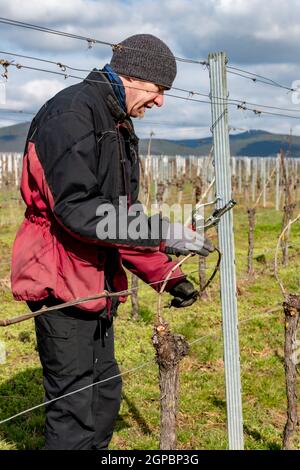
190,93
239,106
141,366
21,66
92,41
64,67
268,81
81,300
77,391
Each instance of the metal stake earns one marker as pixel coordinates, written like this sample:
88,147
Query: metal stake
219,109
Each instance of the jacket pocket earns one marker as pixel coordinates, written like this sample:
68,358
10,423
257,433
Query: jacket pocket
33,272
57,344
80,273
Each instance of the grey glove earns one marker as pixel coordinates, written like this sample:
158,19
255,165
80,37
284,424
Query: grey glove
182,240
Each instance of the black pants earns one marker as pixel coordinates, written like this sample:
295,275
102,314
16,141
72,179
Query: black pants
76,349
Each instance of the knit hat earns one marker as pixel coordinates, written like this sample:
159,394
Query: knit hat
145,57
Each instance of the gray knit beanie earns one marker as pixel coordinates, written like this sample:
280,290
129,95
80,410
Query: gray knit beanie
145,57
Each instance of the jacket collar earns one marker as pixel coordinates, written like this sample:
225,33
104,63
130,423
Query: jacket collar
99,79
107,92
117,85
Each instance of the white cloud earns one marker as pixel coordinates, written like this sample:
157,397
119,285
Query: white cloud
38,91
234,7
32,94
73,12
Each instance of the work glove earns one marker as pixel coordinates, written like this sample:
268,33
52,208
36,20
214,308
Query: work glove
184,294
181,240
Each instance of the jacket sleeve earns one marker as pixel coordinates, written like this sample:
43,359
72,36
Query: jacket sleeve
151,267
67,148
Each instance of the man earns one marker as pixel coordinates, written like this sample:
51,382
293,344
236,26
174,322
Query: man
81,166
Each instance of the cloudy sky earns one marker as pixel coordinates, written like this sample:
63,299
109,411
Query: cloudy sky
260,37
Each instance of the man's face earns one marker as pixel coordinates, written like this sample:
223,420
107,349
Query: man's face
141,96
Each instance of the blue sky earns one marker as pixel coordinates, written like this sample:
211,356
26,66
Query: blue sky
262,37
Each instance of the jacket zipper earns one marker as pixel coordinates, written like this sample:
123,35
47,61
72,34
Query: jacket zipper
123,165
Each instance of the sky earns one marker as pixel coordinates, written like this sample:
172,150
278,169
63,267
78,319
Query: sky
259,37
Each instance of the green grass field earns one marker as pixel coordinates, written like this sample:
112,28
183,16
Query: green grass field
202,405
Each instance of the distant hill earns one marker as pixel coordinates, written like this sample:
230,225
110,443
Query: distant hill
253,143
12,138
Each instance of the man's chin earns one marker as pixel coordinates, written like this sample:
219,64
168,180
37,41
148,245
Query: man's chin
139,113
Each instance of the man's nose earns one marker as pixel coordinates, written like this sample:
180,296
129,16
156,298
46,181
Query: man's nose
159,100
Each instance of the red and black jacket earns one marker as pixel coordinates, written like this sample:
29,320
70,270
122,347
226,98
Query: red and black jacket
81,153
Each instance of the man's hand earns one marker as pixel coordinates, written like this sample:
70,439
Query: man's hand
184,294
182,240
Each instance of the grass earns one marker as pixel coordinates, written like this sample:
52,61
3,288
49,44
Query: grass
202,405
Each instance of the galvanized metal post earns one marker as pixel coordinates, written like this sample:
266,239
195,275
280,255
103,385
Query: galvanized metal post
263,173
219,109
254,178
277,200
297,194
240,175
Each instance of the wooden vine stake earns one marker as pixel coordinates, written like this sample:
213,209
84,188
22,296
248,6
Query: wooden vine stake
202,260
170,350
161,188
251,211
200,197
291,307
134,297
202,278
180,185
288,209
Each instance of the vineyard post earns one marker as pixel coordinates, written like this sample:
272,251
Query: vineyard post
219,110
254,178
277,200
240,175
263,176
